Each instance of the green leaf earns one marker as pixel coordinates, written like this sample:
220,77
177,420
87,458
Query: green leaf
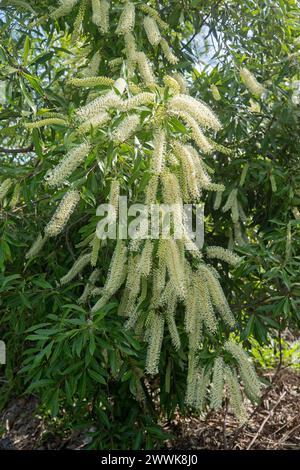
26,50
97,377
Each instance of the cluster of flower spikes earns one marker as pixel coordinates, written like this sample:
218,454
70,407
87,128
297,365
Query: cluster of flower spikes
232,203
168,275
99,13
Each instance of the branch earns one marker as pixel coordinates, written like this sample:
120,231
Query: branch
264,396
19,150
224,425
271,412
200,26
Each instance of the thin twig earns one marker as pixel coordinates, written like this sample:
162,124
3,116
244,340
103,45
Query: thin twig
264,396
224,425
200,26
29,148
280,346
288,434
266,420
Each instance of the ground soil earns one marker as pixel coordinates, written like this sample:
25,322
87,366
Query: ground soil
274,424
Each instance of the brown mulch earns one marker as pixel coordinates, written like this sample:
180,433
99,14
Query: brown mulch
274,424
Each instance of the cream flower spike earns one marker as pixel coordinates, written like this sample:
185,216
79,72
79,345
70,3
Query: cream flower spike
65,8
89,286
114,194
90,81
152,31
126,128
36,247
246,369
93,67
127,19
109,100
215,92
198,110
145,68
77,267
45,122
223,254
140,99
116,275
16,196
154,14
172,84
217,384
5,187
62,213
251,83
167,52
158,158
189,169
203,143
68,165
182,83
156,333
93,122
234,394
101,15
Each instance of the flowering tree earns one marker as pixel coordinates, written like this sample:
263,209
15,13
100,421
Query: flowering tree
131,122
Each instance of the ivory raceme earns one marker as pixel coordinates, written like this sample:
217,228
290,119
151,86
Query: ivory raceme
196,133
126,129
244,174
62,214
234,393
140,99
198,110
95,250
164,288
223,254
68,165
79,19
155,334
93,67
65,7
45,122
36,247
167,52
238,235
93,122
16,196
152,31
114,194
5,187
89,286
154,14
172,84
247,373
49,114
101,15
181,82
230,200
217,383
251,83
145,68
91,81
77,267
159,152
